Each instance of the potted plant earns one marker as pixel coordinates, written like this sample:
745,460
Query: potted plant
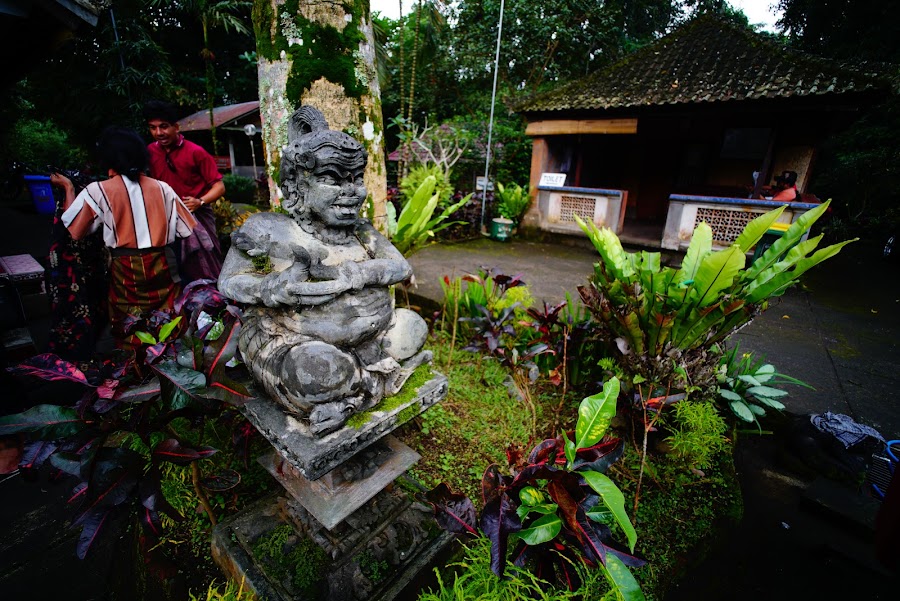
512,203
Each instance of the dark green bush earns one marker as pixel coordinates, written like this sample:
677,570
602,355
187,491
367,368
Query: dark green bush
41,143
239,188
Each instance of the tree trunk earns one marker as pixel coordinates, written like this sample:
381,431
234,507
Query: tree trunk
415,61
210,86
296,50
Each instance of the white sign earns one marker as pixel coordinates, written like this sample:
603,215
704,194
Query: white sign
479,184
553,179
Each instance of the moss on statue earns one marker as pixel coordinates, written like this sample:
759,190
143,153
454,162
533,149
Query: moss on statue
285,556
387,404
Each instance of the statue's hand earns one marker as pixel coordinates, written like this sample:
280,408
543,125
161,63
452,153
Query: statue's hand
354,274
275,290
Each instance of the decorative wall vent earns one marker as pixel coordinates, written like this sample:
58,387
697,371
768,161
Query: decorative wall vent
583,206
726,224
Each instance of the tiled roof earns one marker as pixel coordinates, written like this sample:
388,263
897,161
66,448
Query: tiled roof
705,60
199,121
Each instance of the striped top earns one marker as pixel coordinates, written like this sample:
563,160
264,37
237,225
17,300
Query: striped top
142,214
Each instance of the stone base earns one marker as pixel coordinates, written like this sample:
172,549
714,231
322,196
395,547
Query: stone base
374,554
314,457
347,487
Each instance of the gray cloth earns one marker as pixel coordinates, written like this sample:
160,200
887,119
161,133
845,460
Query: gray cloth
844,428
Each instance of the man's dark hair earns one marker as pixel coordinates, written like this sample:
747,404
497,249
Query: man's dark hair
159,109
123,150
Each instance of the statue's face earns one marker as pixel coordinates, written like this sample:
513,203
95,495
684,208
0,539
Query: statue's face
334,196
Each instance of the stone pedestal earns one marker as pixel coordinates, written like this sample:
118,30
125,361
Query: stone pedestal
345,530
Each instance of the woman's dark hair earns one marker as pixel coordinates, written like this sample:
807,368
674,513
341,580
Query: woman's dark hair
124,151
159,109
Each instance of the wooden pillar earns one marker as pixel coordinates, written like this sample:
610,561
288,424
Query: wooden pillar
540,159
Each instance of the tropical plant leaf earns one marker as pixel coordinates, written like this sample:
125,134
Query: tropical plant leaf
454,512
48,421
778,284
544,529
730,395
166,330
145,337
699,247
793,234
594,415
173,451
771,403
138,394
756,229
91,525
767,392
741,409
621,580
413,209
498,520
529,495
51,368
34,454
614,500
716,273
600,456
179,385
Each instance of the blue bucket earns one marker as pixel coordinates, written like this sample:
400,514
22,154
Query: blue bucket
41,193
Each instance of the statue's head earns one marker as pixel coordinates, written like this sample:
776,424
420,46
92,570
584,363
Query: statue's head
322,172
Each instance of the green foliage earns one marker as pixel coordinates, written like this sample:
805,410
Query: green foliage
42,143
298,559
698,434
667,321
239,188
228,592
372,568
417,176
473,579
415,224
513,201
749,386
262,263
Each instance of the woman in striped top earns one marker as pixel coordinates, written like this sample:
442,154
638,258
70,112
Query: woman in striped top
139,217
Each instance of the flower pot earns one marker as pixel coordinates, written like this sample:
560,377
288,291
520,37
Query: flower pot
501,229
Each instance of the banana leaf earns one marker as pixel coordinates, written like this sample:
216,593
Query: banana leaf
757,228
781,246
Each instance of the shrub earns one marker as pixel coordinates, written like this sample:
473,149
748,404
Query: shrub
514,201
39,144
666,322
417,176
699,433
239,188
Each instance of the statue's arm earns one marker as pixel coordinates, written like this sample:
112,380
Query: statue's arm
239,281
388,265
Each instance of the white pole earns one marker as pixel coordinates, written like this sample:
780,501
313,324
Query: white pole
487,156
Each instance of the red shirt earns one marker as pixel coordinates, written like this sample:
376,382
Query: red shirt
195,169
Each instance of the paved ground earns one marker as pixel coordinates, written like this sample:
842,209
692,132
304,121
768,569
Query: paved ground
838,333
803,536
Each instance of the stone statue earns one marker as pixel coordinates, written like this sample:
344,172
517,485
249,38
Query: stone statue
321,334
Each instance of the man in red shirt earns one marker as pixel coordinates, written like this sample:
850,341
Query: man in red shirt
192,173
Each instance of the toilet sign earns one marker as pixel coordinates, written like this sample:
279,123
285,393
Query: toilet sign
553,179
